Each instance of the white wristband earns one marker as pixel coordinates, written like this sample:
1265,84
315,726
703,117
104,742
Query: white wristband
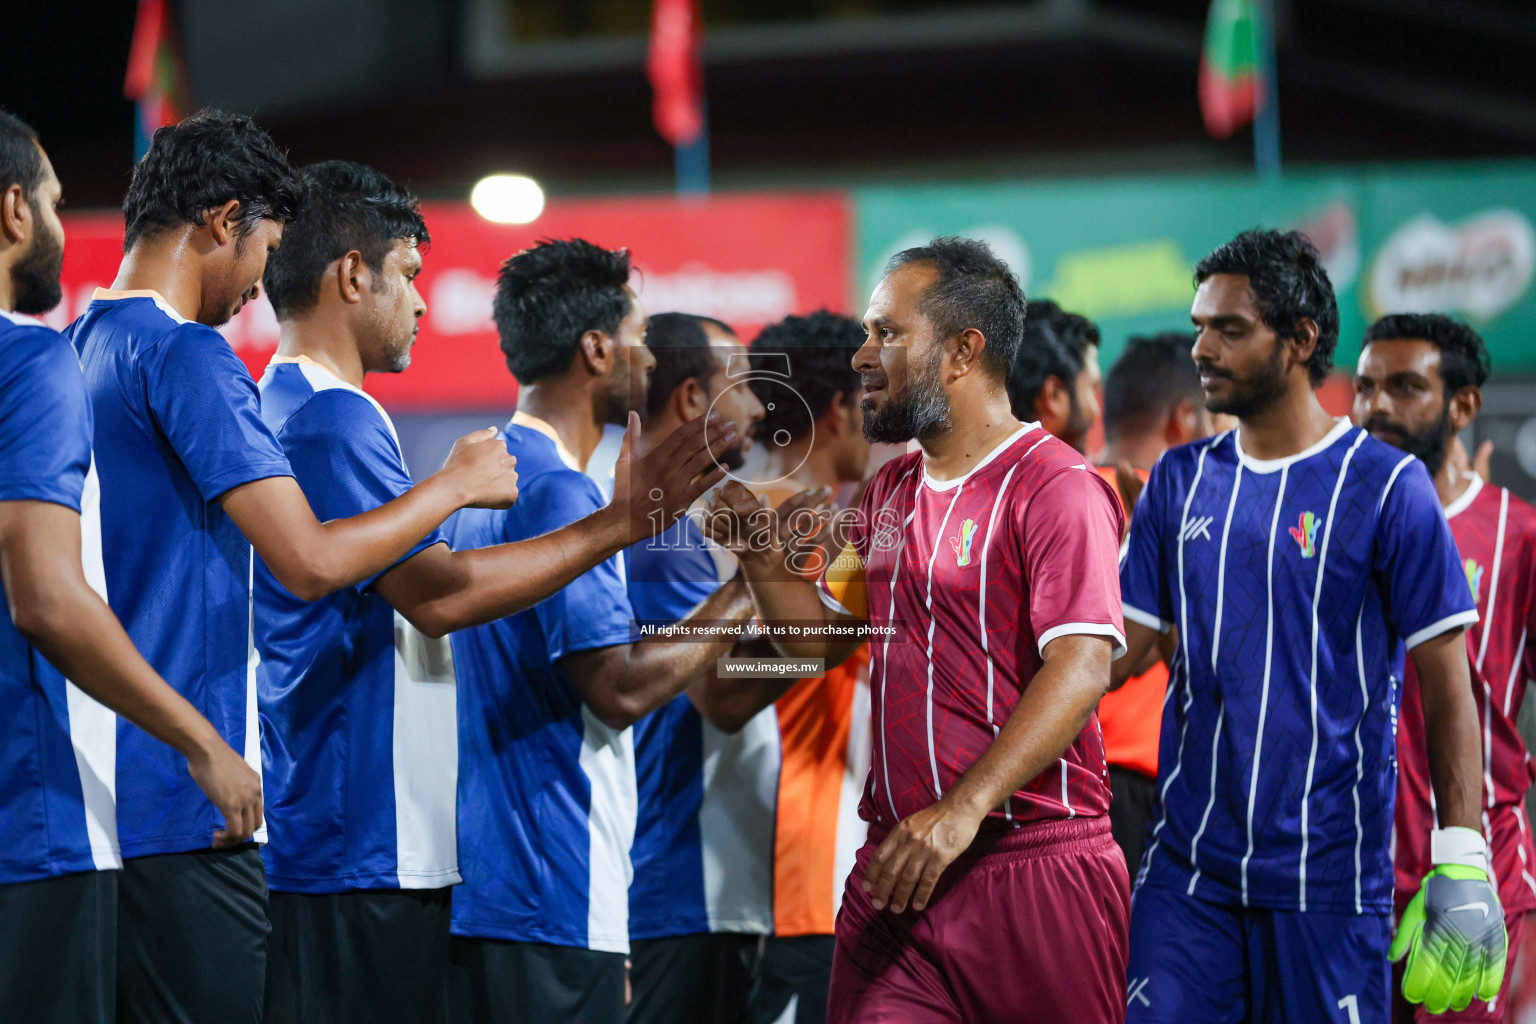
1456,845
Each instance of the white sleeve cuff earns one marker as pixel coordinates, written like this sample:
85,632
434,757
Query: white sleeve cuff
1465,846
1085,629
833,603
1445,625
1142,618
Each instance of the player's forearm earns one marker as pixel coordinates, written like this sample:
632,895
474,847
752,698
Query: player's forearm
1141,646
352,549
729,703
1451,732
1047,719
624,684
76,631
501,580
782,596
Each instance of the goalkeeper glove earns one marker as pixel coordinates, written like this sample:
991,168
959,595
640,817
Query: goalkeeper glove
1453,930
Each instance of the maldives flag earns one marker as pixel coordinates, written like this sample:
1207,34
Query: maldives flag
156,80
1229,66
676,72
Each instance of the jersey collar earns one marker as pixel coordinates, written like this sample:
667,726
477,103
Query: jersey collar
1253,465
986,460
109,295
21,319
523,419
1462,503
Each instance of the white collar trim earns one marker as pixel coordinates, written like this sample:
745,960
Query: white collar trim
1468,496
945,485
1340,427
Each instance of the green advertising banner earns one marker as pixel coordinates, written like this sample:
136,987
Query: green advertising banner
1455,239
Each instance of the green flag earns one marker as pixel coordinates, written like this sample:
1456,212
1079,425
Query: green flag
1229,66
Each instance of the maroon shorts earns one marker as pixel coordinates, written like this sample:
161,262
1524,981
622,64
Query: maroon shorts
1028,925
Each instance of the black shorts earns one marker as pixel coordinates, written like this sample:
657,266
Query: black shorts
793,971
698,978
496,982
376,956
1135,796
192,938
58,949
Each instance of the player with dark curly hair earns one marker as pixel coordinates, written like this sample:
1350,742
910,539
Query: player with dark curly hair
1299,558
1417,385
191,480
1055,376
548,793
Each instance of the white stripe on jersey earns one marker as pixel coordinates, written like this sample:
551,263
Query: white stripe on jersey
1181,649
1221,587
1365,700
938,541
92,725
885,645
608,761
852,830
1493,586
1514,673
1317,596
981,608
736,822
252,745
1269,646
425,759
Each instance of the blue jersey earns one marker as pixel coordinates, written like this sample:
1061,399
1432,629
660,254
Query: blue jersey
1296,584
546,790
178,423
703,853
57,771
358,733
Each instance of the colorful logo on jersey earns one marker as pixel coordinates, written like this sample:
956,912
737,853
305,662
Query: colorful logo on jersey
1304,533
1474,577
962,543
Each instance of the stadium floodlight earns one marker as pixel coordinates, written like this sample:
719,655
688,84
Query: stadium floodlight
508,199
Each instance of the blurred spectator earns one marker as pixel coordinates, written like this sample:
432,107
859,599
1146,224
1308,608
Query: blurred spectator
1056,373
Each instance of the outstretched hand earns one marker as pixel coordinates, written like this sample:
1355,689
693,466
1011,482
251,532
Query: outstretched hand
660,486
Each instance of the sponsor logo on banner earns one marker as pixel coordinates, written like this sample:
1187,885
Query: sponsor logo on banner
1481,266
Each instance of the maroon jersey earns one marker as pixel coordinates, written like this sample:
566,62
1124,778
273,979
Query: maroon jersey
1496,538
972,578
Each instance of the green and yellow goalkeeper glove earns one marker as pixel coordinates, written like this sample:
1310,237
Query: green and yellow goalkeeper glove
1453,930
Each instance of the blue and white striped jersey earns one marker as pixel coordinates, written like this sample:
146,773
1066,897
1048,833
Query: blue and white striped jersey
1296,585
177,425
547,798
359,734
57,760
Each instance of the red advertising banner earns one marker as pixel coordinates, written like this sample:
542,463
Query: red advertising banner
745,259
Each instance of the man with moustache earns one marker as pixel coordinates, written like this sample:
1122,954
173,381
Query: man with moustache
985,564
1298,558
547,808
356,690
1417,385
60,646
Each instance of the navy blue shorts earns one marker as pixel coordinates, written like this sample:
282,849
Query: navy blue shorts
1194,962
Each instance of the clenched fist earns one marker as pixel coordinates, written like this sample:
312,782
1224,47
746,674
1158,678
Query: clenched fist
482,470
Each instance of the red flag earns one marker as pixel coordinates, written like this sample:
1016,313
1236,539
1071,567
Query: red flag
156,78
676,71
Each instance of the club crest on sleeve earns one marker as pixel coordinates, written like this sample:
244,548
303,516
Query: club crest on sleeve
1304,533
962,543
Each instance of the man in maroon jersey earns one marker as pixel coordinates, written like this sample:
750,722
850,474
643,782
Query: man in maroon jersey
985,565
1416,387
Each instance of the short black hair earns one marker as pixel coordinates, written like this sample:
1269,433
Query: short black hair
1288,280
682,351
1153,374
21,162
1055,344
345,206
974,289
203,162
549,295
1464,360
819,349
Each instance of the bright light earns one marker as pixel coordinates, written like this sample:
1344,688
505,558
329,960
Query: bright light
508,199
